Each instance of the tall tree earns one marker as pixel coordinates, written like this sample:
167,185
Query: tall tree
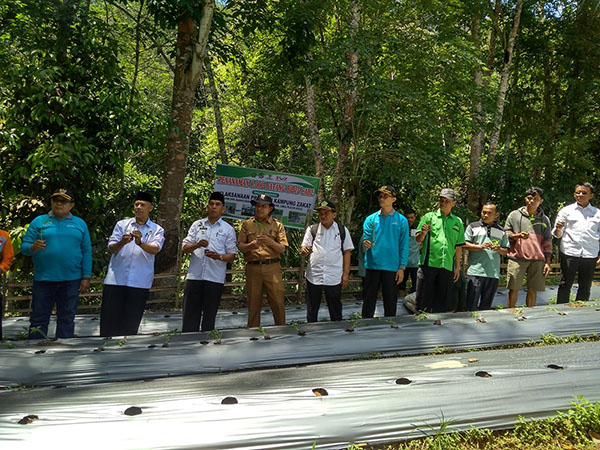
192,37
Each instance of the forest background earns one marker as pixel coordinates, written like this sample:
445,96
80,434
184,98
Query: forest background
114,96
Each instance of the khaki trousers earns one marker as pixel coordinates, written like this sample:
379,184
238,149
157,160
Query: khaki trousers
269,277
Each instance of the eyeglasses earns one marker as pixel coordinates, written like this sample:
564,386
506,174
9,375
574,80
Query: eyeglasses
59,200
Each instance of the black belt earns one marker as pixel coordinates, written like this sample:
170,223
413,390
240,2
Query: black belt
264,261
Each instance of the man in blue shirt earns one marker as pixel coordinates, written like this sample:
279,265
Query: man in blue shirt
385,239
133,243
60,246
211,243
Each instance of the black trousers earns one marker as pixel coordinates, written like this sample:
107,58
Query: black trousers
122,310
570,266
434,287
333,296
412,273
200,303
389,291
480,292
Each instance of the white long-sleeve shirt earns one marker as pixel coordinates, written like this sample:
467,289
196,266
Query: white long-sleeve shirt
581,232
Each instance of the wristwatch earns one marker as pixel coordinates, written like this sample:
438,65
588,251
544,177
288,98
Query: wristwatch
221,257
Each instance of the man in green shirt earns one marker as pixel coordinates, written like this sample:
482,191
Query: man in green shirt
443,235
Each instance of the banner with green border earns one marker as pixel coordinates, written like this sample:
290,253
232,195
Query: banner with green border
293,195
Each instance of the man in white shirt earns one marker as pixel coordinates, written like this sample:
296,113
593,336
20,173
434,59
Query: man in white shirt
328,246
578,224
133,243
211,242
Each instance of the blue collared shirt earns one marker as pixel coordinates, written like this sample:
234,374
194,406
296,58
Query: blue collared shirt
389,234
221,239
133,266
68,252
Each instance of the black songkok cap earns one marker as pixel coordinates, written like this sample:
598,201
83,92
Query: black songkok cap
145,196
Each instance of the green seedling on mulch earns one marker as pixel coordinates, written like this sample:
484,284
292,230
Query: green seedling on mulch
264,333
46,339
421,316
169,335
121,342
355,321
295,326
216,335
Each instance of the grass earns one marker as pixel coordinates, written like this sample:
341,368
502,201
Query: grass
570,430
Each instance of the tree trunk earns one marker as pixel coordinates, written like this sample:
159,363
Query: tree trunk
217,110
136,64
189,61
508,55
313,129
476,142
482,81
347,132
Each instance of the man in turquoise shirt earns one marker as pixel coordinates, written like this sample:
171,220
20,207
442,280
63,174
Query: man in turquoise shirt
442,235
385,239
62,259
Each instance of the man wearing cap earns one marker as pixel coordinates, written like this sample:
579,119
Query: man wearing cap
578,226
59,244
443,235
262,240
328,246
530,236
6,260
385,239
133,243
211,243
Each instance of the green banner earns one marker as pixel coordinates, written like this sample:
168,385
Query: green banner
293,195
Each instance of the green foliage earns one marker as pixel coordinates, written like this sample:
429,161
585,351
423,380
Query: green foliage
64,102
566,430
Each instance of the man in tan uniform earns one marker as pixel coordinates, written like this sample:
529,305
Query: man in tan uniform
262,240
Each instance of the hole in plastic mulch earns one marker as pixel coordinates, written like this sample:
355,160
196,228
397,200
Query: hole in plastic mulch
133,411
229,401
28,419
254,338
483,374
555,367
320,392
403,381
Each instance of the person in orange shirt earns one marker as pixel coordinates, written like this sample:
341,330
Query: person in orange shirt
6,259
